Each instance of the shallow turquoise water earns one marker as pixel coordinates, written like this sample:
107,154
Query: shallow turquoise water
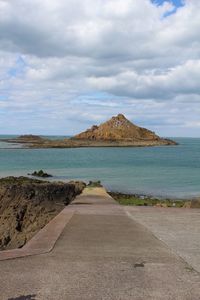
172,171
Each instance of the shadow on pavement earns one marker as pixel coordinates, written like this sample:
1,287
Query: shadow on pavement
28,297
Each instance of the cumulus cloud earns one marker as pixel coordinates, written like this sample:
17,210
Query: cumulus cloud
66,64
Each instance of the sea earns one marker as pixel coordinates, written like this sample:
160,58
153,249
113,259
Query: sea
164,171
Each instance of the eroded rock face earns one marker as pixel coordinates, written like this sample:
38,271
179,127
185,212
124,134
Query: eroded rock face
118,128
27,205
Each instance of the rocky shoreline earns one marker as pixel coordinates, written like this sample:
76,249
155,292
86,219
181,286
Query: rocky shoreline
72,143
27,205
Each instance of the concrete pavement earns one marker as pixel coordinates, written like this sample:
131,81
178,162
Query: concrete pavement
177,228
44,240
101,254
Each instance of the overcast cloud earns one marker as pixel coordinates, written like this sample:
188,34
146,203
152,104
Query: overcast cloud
67,64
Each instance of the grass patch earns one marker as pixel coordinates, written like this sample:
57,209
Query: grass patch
19,180
137,200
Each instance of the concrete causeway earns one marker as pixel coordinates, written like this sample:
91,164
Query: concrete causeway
104,254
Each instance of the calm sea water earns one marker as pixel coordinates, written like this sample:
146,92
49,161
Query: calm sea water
172,171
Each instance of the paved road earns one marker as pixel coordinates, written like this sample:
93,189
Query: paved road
177,228
101,254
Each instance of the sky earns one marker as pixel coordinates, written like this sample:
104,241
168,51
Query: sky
66,65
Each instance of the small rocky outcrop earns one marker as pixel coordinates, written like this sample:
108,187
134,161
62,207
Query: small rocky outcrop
41,174
30,137
26,139
27,205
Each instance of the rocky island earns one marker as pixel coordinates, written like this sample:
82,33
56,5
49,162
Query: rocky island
116,132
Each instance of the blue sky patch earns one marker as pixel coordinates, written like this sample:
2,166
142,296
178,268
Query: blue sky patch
177,3
18,68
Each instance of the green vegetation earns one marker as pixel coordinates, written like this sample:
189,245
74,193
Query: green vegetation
136,200
18,180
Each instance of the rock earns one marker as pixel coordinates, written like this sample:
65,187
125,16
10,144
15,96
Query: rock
27,204
79,186
195,203
4,241
40,173
29,137
26,139
20,217
119,128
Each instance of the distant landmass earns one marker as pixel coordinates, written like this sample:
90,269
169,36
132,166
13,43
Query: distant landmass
116,129
116,132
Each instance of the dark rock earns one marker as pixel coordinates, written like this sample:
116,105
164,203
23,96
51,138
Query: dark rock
6,240
27,205
139,265
20,217
40,173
